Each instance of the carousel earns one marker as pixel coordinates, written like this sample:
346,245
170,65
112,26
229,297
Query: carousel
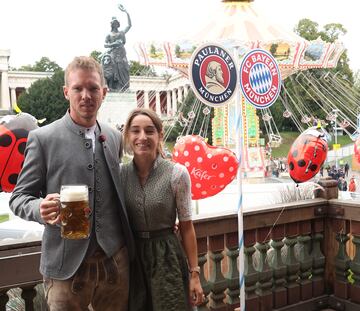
240,27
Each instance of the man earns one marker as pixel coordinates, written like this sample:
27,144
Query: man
214,78
77,149
342,184
346,168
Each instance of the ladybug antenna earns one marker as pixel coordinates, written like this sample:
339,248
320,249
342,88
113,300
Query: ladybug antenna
318,126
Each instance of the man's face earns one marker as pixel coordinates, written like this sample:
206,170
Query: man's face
219,74
85,93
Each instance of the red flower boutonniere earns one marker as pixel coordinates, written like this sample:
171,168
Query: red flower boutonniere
102,138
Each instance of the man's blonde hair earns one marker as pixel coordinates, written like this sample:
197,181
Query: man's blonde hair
85,63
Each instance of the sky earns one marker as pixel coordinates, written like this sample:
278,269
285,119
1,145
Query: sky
63,29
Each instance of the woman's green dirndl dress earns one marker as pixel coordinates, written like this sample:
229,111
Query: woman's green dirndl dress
152,215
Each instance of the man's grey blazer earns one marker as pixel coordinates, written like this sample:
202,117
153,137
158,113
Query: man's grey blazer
59,154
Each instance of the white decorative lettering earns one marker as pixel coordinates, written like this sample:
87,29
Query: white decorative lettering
199,174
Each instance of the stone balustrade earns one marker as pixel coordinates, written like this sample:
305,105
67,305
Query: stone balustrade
298,256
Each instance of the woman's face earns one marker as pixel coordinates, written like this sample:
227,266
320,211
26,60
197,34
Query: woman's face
115,24
143,137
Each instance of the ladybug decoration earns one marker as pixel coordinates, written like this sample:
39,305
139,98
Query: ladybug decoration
14,130
307,154
357,149
210,168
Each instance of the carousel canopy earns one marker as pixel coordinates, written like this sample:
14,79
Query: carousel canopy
238,24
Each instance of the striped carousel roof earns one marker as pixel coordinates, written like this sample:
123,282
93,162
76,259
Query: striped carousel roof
241,22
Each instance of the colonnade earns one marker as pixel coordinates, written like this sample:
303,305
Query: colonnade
4,79
164,102
161,94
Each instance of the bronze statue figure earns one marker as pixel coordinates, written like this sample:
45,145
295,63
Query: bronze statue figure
114,60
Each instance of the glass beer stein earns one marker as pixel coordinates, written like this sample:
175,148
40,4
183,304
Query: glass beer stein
74,212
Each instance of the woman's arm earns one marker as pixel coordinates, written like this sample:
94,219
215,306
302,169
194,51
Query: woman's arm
121,8
188,237
181,186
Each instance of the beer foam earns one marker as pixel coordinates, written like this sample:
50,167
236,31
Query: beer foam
74,193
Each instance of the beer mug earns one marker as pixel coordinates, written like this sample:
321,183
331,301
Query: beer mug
74,212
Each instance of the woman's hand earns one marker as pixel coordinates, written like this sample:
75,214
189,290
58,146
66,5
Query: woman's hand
121,8
196,293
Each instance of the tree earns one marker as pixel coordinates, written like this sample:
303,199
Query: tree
273,49
307,29
310,30
177,129
45,99
136,69
152,50
331,32
96,55
43,65
177,50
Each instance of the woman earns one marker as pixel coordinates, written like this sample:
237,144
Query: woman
115,42
352,185
156,192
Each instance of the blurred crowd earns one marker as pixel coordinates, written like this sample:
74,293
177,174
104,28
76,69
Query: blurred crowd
341,174
275,166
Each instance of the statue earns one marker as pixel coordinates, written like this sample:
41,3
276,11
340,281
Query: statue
114,60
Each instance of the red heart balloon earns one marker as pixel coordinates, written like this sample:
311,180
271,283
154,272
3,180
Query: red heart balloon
210,168
357,149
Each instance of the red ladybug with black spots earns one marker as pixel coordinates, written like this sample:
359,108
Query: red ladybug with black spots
14,130
307,154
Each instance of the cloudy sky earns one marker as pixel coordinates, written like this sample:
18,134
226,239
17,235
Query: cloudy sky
63,29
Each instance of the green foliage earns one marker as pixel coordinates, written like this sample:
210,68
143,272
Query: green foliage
287,140
136,69
331,32
283,124
4,218
273,48
177,50
188,105
343,140
350,277
43,65
152,49
307,29
96,55
45,99
296,85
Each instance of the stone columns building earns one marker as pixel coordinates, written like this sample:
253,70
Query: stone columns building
13,83
163,95
4,80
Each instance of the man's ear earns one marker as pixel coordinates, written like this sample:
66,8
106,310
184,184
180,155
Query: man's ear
105,89
65,91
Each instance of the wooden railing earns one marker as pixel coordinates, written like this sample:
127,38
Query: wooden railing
19,268
298,256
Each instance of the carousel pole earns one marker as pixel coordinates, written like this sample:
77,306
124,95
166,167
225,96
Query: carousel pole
238,145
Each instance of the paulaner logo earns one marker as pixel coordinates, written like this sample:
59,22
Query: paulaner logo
260,78
213,75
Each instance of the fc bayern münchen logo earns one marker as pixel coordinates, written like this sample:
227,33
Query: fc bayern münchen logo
260,78
213,75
